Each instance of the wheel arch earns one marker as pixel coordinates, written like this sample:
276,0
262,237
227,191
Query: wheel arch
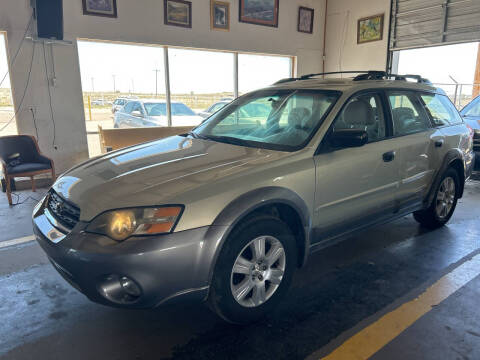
452,159
278,201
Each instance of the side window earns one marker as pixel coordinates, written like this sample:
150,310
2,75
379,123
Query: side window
474,109
137,107
128,108
363,112
441,109
407,113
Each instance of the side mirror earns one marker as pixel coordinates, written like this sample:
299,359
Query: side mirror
137,113
344,138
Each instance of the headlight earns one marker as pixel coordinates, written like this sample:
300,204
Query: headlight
121,224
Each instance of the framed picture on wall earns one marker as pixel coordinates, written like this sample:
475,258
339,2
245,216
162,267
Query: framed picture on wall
370,29
106,8
305,20
220,15
178,13
259,12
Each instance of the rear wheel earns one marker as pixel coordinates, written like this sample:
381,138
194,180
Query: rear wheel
254,270
444,202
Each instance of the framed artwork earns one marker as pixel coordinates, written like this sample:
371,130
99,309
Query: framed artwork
259,12
178,13
370,29
305,20
220,15
106,8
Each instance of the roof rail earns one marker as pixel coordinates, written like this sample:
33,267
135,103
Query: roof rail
363,75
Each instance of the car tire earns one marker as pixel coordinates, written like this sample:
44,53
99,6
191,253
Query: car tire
244,242
444,202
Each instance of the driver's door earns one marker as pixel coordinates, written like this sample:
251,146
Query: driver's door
356,186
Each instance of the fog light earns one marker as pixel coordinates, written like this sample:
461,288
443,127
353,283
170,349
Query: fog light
130,287
119,289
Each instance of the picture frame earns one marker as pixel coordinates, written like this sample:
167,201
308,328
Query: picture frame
370,28
259,12
305,20
105,8
219,15
178,13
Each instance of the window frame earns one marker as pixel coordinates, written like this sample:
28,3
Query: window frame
279,147
421,103
434,125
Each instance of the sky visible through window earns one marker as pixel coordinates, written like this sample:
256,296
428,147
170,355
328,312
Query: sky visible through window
191,71
3,62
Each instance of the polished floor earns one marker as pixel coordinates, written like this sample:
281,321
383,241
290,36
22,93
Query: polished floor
343,291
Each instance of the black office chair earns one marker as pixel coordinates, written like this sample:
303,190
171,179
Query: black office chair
21,157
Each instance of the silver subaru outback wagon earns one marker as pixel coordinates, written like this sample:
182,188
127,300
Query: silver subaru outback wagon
226,213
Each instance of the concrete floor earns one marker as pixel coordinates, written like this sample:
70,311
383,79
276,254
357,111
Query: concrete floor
340,291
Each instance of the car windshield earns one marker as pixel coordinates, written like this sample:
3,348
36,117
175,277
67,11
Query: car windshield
160,109
282,120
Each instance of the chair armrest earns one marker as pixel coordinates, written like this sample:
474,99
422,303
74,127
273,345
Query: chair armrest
44,160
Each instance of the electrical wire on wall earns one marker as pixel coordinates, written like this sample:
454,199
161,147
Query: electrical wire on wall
49,97
24,91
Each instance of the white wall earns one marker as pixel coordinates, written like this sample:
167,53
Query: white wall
342,51
138,21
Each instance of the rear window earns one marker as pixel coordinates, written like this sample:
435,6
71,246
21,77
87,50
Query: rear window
441,110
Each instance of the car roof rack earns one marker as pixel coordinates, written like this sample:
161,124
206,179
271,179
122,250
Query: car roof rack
363,75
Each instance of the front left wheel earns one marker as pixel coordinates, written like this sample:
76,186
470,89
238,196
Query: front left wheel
254,270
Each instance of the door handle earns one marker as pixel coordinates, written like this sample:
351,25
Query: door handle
439,143
389,156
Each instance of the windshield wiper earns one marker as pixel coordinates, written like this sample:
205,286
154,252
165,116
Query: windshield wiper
228,140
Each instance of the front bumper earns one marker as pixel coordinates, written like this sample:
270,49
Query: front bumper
167,268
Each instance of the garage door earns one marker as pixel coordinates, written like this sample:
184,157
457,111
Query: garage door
419,23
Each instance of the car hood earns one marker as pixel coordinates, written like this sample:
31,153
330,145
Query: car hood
154,173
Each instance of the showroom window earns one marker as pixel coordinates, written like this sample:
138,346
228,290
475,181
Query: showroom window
8,125
198,90
190,86
258,71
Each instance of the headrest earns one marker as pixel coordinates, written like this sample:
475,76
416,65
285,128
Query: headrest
403,112
298,117
359,112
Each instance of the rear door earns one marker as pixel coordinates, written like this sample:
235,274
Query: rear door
356,186
418,144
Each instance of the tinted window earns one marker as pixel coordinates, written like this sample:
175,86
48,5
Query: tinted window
179,109
363,112
216,107
137,107
441,109
128,108
473,109
156,109
407,113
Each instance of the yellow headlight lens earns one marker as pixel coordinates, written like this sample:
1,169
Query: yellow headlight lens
122,224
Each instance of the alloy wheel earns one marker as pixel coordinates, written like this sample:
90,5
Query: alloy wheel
445,197
258,271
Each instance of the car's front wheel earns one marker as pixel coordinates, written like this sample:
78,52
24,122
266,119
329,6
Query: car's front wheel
254,270
444,202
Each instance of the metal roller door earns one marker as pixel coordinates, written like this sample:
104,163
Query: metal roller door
421,23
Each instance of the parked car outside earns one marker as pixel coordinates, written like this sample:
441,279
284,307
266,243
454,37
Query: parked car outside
214,108
227,213
471,115
120,103
99,102
145,112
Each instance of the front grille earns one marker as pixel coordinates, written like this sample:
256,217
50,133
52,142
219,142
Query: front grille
476,140
64,212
